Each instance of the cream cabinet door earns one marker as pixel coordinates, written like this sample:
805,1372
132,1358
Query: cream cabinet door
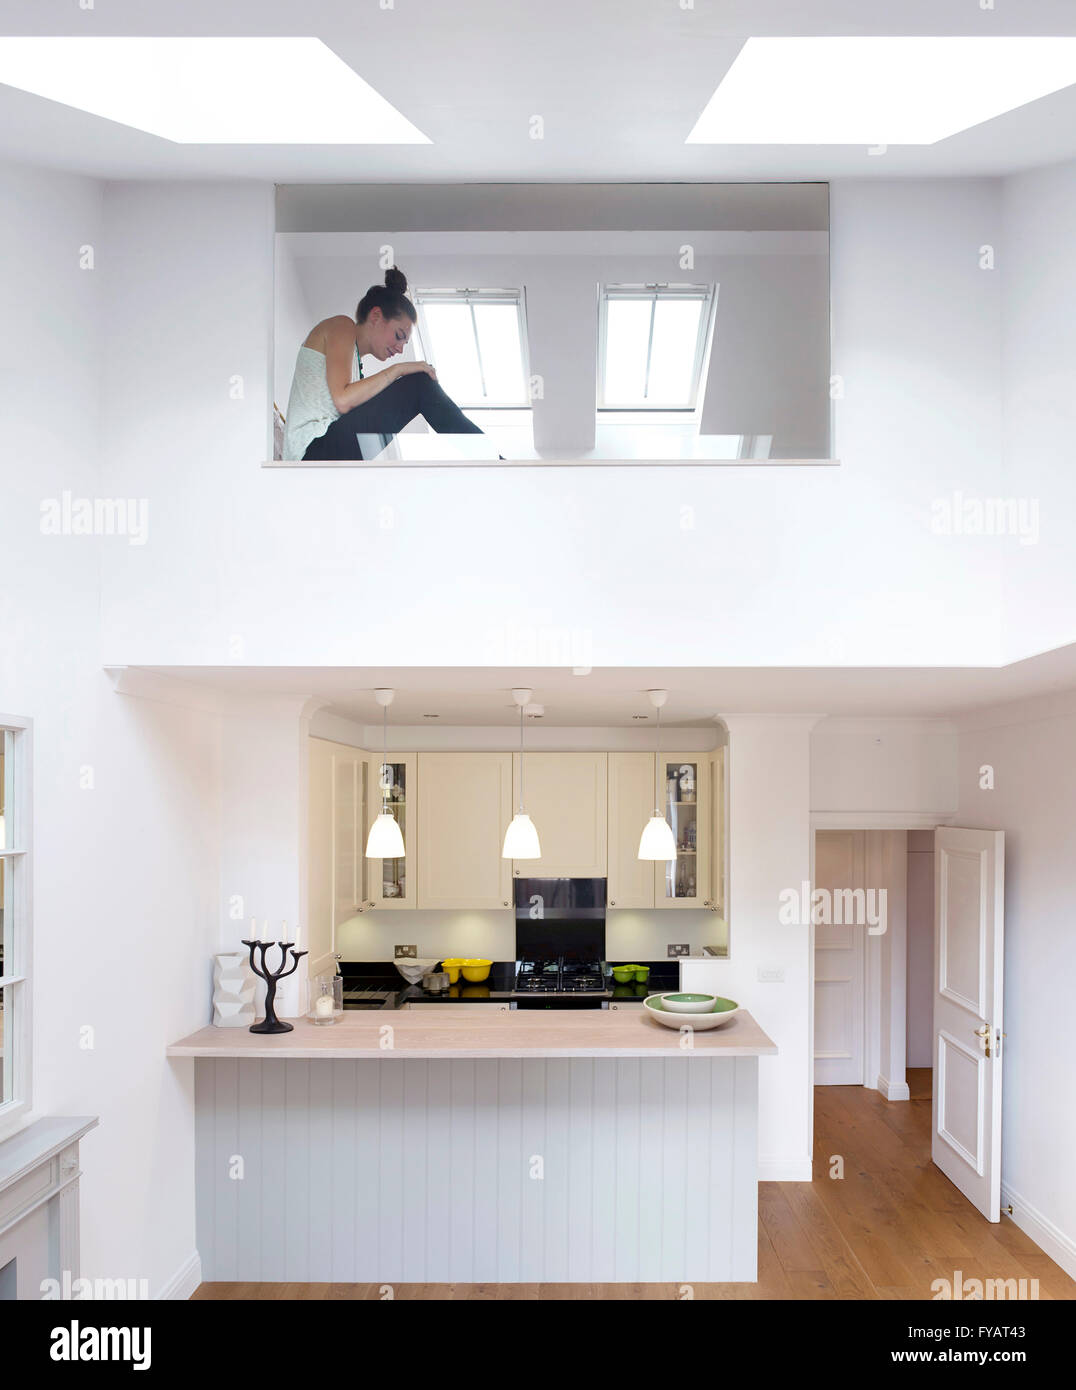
390,881
464,807
719,836
347,833
566,796
631,804
683,791
319,885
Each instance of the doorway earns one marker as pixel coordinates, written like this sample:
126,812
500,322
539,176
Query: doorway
919,956
859,910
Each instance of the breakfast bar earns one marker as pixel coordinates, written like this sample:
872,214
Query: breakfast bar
488,1146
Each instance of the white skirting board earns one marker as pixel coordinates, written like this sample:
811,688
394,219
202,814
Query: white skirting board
1050,1238
184,1282
482,1171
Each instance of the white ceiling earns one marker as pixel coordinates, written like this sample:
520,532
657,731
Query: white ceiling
619,85
609,697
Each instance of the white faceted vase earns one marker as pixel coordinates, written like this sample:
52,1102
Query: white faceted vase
233,990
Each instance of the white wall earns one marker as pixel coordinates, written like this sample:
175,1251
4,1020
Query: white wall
680,565
125,870
1038,272
770,851
894,768
1031,747
292,321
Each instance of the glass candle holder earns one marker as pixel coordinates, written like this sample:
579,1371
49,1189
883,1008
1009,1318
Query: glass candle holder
327,999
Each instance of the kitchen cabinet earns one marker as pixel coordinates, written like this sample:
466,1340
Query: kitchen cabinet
348,833
631,804
389,881
462,813
336,869
566,796
719,834
683,792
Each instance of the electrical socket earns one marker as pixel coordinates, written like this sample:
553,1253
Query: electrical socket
403,952
681,949
774,975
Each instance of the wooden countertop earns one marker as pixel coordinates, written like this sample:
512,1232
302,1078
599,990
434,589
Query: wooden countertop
609,1033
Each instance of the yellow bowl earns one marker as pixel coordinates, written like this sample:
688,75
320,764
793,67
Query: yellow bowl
475,970
452,969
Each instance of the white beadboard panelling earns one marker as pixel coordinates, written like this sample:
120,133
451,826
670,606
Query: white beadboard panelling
421,1170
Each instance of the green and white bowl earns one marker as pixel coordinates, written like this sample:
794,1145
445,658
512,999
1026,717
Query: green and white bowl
719,1013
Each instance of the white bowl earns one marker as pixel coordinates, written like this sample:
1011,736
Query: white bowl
413,970
683,1002
699,1022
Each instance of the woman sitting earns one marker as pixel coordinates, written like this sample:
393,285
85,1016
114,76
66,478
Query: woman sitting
332,403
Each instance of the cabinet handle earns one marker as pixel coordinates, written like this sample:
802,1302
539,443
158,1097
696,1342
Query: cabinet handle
506,903
612,902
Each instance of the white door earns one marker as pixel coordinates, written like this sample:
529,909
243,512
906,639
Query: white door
839,961
969,895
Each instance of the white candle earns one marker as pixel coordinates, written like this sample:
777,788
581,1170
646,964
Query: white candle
265,930
298,934
284,932
324,1006
254,929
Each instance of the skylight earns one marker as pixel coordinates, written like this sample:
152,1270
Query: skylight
877,91
477,341
651,342
210,91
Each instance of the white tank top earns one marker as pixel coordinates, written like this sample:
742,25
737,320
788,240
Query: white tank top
310,406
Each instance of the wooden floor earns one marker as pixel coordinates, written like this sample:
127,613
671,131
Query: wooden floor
885,1230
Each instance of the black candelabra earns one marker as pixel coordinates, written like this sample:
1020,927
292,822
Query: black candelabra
270,1023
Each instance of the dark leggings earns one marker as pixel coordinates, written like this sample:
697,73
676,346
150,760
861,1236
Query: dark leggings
414,394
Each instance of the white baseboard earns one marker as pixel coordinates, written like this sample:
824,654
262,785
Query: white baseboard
1048,1237
185,1280
784,1170
893,1090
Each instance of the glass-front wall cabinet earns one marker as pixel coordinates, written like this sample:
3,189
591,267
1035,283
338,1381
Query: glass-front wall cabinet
684,794
392,784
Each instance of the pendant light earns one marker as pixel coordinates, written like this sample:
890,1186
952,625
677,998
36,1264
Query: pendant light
657,840
521,838
385,840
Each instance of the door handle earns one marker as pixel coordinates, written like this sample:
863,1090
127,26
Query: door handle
984,1034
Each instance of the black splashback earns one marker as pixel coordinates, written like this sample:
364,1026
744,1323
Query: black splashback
560,917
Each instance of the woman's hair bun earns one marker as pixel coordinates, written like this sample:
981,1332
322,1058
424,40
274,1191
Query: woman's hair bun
396,280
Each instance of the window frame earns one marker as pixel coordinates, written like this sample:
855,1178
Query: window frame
18,860
469,296
707,293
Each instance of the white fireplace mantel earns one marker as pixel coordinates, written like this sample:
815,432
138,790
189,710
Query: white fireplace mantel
39,1224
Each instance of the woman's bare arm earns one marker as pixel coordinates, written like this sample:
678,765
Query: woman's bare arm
339,356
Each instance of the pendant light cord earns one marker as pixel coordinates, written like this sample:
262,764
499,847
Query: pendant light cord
657,794
521,760
384,760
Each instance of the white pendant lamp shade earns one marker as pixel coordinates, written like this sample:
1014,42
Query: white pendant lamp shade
385,840
657,841
521,839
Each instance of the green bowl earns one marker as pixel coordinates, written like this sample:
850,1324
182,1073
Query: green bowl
622,975
642,974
